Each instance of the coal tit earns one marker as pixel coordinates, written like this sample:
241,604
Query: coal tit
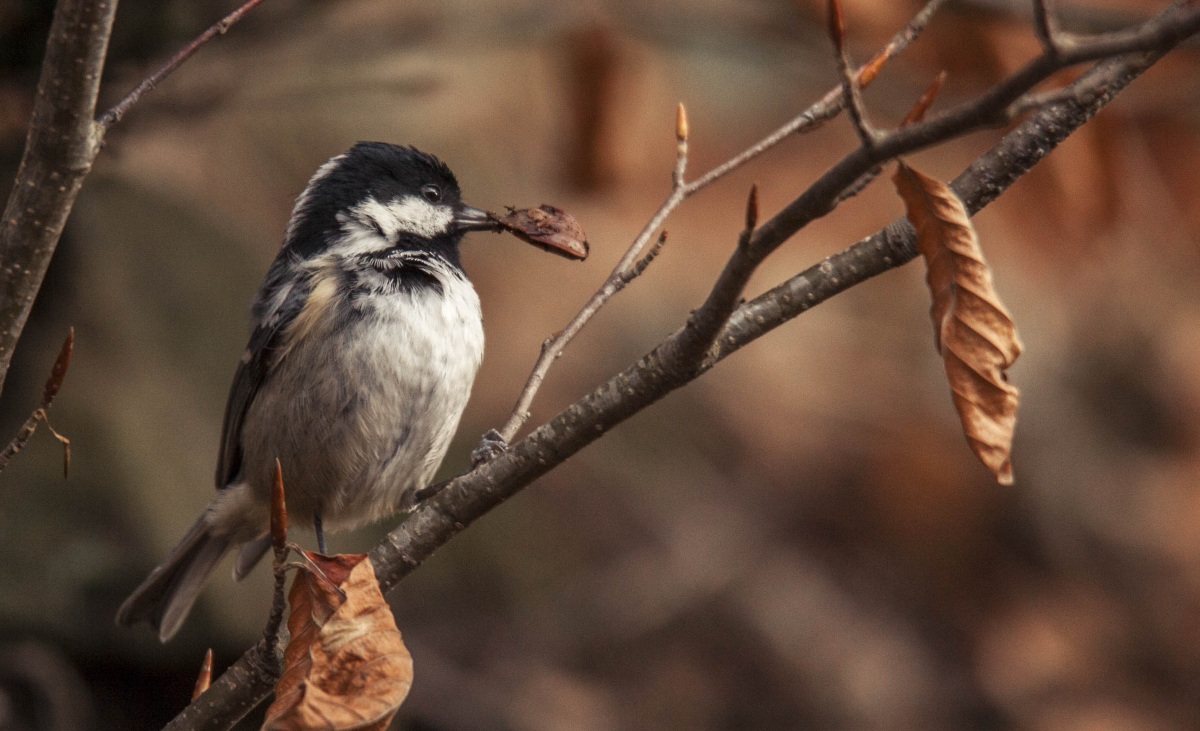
364,342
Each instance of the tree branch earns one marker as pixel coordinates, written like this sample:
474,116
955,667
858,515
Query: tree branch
62,143
222,26
468,497
64,139
895,245
810,119
685,350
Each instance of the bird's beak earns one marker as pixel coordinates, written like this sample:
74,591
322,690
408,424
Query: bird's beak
473,219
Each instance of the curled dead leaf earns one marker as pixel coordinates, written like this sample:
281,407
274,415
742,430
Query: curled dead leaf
346,666
973,331
547,227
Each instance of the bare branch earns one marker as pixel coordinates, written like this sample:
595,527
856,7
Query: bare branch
117,113
830,105
62,143
468,497
991,109
813,117
636,270
977,186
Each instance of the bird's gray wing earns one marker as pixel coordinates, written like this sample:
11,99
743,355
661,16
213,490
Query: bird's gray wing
279,302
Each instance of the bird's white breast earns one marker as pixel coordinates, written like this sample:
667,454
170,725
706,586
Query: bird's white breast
362,409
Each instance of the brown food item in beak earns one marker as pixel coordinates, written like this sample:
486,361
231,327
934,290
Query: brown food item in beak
549,228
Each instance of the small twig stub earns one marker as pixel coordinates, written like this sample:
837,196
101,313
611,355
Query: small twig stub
204,679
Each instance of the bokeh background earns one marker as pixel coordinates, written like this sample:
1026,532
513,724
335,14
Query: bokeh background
801,539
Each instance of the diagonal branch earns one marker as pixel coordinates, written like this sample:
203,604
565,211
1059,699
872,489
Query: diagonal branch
980,184
470,496
810,119
851,89
685,350
117,113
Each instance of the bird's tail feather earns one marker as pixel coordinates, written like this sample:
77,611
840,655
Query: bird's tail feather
168,593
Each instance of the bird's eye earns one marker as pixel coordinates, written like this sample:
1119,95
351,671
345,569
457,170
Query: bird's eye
431,193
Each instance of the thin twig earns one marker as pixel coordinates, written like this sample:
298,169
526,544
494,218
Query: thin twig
636,270
1045,26
829,105
851,94
810,119
63,141
682,353
57,373
114,115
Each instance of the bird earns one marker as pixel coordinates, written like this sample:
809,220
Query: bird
365,338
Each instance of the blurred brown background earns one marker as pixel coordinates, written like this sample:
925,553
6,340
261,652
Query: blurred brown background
801,539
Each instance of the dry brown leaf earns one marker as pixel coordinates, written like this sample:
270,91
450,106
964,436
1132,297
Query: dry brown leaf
548,228
346,666
974,332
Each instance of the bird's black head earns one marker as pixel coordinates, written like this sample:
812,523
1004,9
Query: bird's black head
378,197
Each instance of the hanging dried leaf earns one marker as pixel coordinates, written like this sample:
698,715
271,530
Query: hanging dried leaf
346,666
973,331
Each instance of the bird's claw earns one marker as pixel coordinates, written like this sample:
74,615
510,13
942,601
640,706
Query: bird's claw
492,445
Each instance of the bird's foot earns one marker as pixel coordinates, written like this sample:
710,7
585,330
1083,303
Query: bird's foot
491,446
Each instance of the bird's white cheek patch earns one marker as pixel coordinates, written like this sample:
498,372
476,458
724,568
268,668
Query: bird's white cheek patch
410,214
